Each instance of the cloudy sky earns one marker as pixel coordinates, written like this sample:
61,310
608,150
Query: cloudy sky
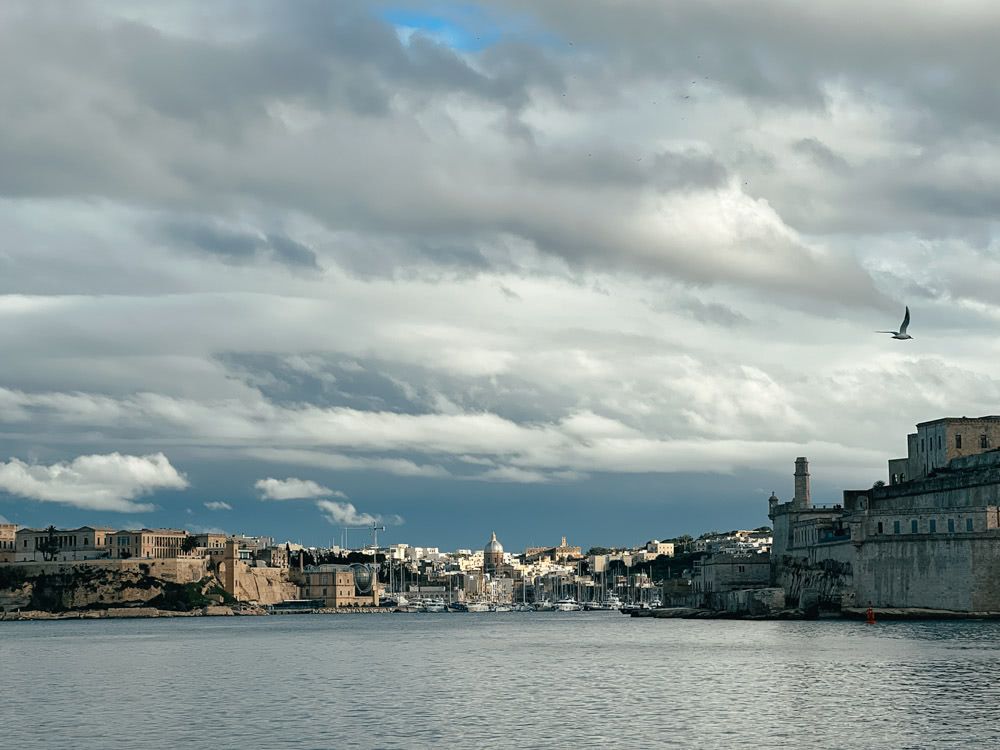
599,268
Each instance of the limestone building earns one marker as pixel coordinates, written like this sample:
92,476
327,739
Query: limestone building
720,574
210,544
938,442
656,548
146,543
930,538
340,585
562,553
8,533
39,545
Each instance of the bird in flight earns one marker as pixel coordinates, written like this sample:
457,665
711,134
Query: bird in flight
901,333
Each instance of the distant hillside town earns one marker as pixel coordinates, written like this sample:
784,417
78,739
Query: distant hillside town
926,539
255,571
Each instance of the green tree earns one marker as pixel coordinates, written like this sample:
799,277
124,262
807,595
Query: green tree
189,544
49,546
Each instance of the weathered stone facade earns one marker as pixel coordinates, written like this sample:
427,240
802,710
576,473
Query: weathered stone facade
339,586
8,533
938,442
930,542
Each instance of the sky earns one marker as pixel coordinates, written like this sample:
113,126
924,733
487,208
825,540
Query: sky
590,268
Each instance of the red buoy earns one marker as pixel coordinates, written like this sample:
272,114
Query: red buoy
870,616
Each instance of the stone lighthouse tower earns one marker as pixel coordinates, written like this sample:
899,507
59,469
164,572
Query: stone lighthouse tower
802,497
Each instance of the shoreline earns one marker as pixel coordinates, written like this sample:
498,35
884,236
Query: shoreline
845,613
135,613
666,613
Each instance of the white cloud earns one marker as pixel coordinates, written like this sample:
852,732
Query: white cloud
218,505
293,489
97,482
345,514
512,474
320,460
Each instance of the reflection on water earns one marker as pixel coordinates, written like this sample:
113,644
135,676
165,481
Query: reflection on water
505,680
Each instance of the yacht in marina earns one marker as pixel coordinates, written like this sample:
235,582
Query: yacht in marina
434,605
568,605
612,602
477,607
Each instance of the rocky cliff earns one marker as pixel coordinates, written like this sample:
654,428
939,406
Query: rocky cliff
176,585
83,586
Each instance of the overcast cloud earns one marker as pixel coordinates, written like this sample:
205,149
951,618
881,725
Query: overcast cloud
512,243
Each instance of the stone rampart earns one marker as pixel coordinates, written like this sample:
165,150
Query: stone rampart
264,585
973,487
828,571
929,571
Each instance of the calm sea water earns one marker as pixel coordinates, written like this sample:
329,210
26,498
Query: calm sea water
560,680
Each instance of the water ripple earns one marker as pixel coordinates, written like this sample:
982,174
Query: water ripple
587,680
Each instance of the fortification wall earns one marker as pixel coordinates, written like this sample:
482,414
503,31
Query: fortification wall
945,491
828,570
264,585
935,572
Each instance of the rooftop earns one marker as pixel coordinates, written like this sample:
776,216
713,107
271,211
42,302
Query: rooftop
987,418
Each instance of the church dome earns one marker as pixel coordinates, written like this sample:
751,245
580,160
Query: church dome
493,545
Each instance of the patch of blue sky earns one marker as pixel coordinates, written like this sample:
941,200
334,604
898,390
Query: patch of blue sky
464,28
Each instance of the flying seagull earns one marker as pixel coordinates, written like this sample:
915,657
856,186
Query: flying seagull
901,333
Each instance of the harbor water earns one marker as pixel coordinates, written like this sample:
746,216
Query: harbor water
553,680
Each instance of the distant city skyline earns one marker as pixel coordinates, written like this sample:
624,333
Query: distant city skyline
595,269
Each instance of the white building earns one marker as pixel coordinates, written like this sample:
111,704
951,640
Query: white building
658,548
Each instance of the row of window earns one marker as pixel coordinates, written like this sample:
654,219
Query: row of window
984,442
62,541
931,526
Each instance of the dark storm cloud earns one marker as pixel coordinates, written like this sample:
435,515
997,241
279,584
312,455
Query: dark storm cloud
822,154
375,385
422,157
326,112
713,313
236,246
